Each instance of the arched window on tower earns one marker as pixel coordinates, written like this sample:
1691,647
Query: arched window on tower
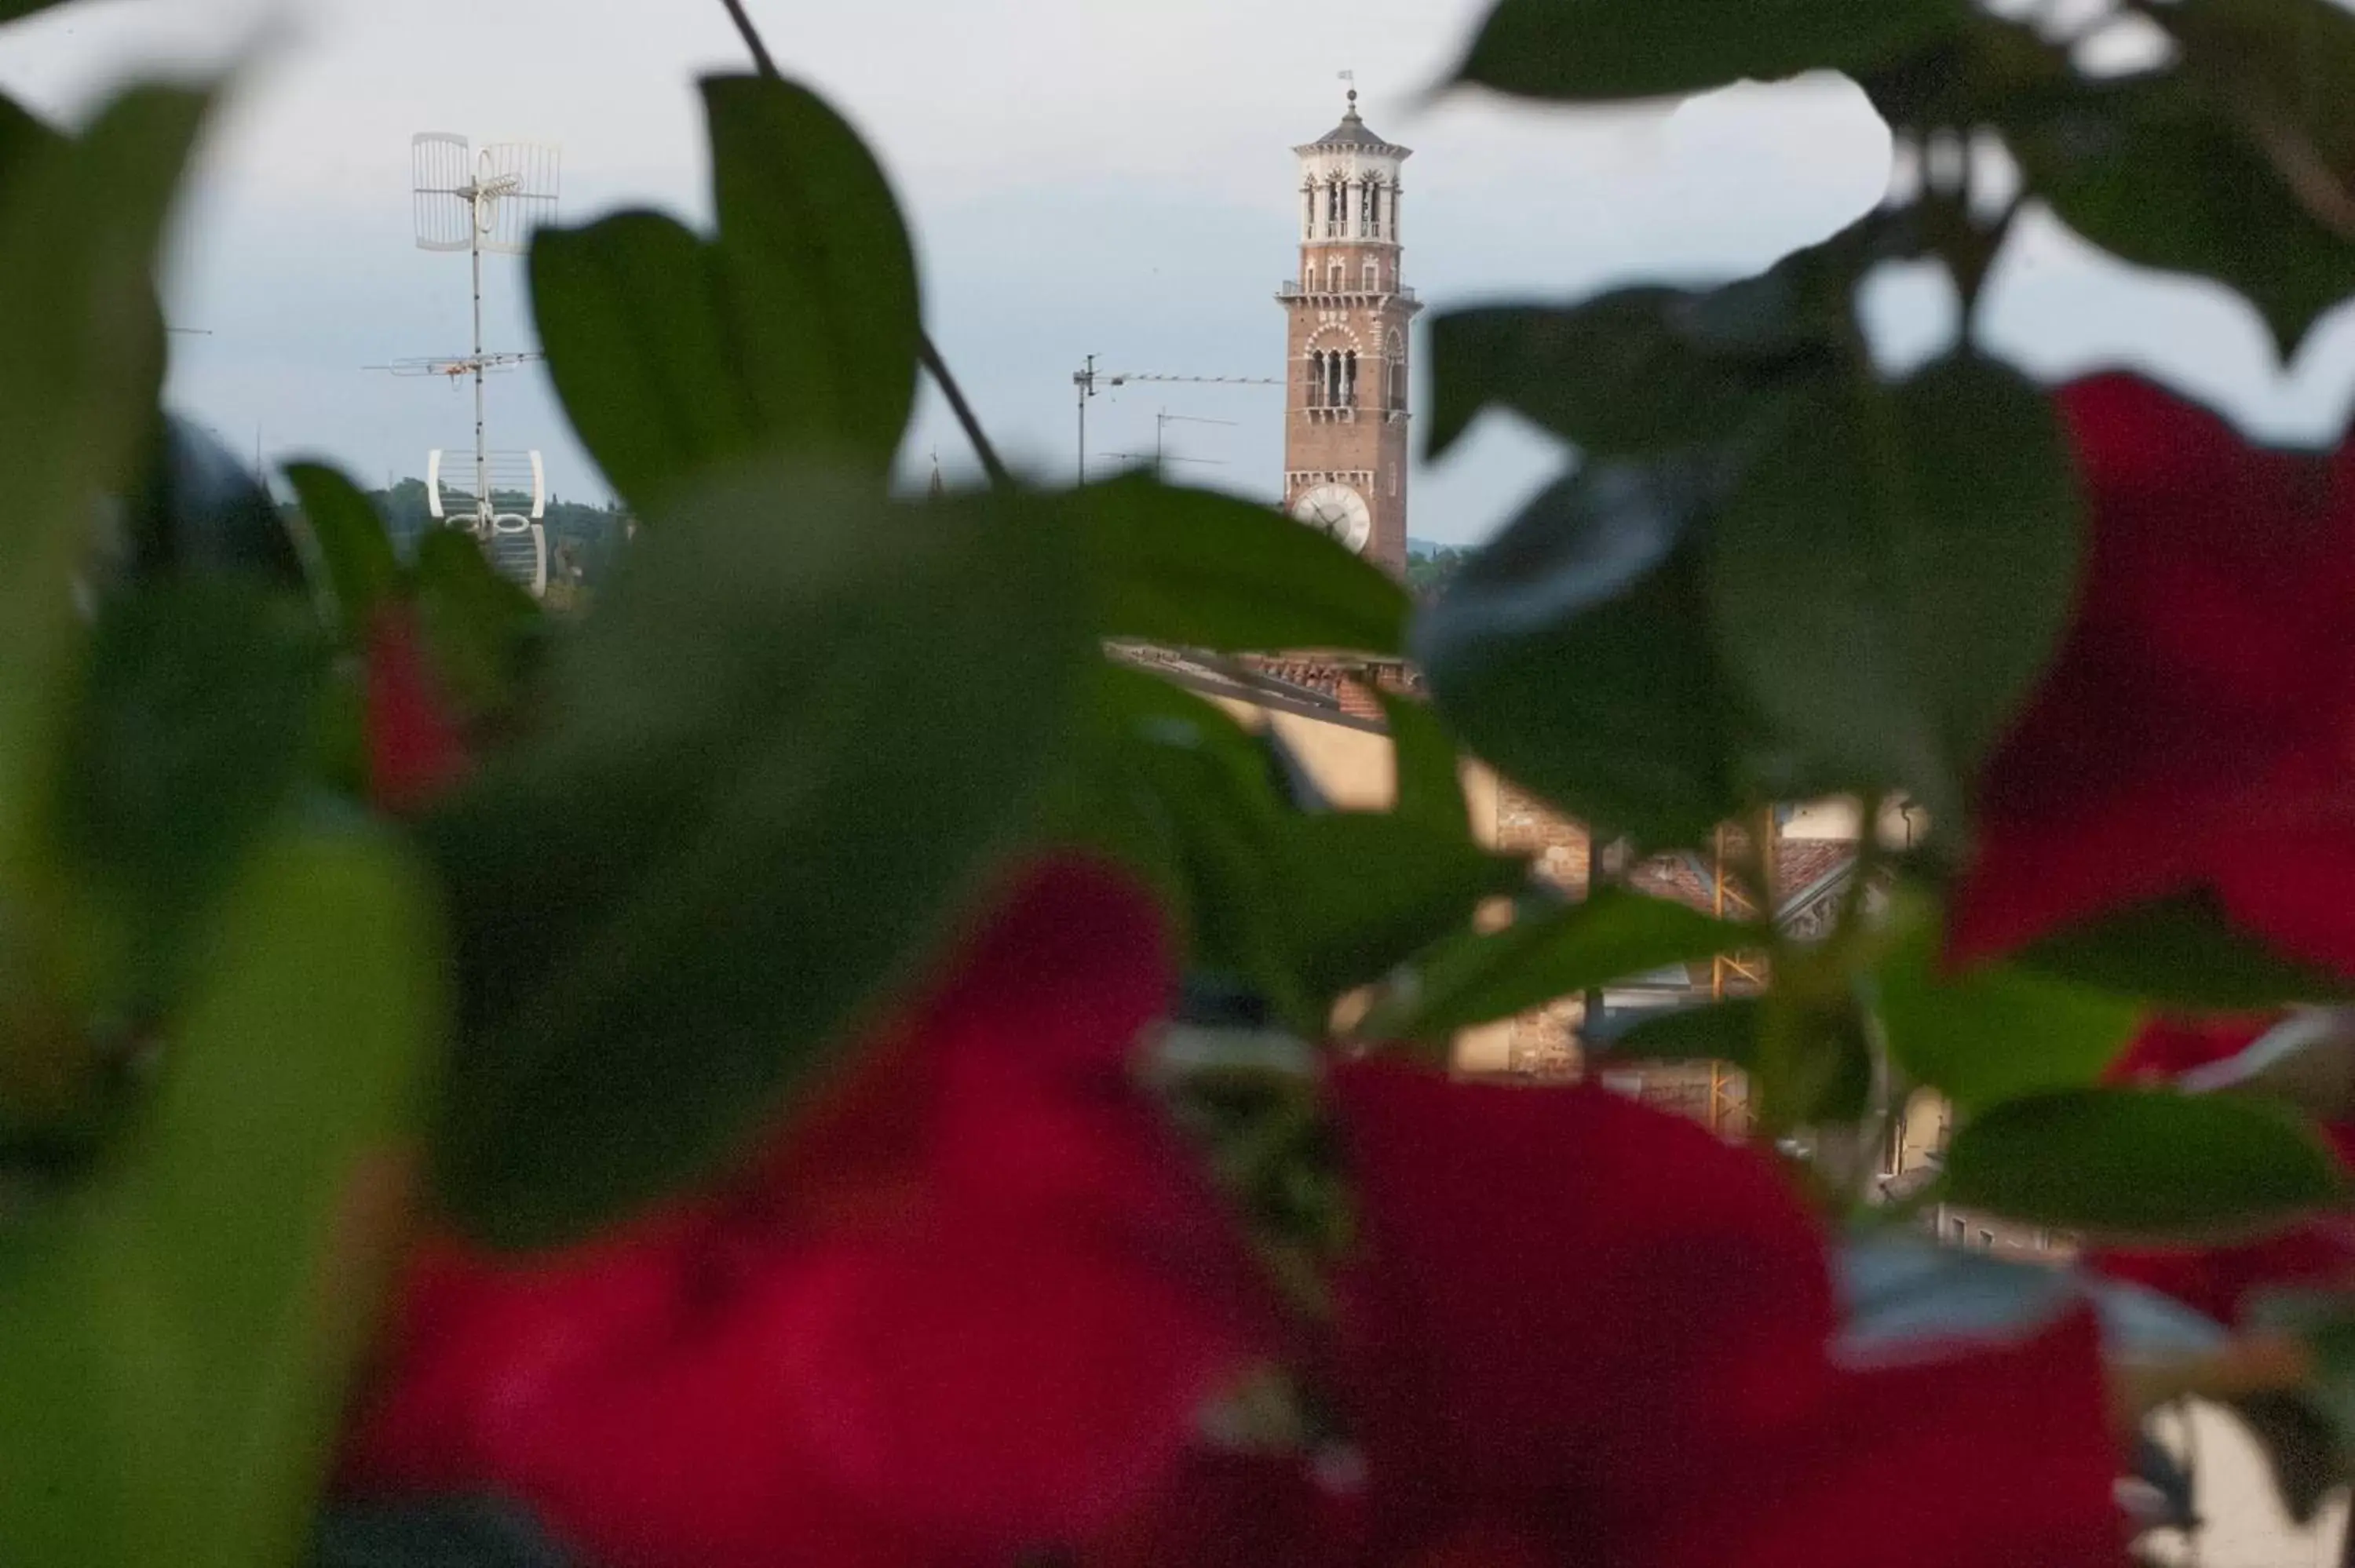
1316,380
1333,380
1308,212
1397,195
1374,208
1373,277
1349,379
1333,208
1366,208
1334,277
1394,370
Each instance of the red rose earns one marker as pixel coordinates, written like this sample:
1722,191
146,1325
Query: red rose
414,747
2222,1281
2197,730
970,1308
1585,1332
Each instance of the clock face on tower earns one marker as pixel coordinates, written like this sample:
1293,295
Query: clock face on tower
1340,511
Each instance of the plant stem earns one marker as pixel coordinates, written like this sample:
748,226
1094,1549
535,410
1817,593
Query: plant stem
927,351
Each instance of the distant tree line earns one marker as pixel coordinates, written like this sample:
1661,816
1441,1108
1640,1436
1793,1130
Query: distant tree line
1428,572
583,541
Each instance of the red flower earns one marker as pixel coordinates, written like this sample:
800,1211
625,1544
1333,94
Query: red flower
2197,728
414,749
1584,1333
2222,1281
971,1307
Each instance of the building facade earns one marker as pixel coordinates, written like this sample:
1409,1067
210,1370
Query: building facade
1348,312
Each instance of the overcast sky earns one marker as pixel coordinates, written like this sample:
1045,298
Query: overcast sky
1105,176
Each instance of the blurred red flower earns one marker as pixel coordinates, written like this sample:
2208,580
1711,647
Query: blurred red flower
972,1305
414,749
2222,1280
2197,730
1585,1332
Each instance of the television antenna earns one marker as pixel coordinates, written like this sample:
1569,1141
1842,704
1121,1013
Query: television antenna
486,202
1087,377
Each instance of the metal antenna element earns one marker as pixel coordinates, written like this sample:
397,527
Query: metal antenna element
1087,378
487,202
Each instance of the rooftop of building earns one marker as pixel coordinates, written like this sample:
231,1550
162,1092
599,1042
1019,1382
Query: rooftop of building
1353,132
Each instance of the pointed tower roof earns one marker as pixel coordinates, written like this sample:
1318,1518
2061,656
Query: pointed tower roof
1352,132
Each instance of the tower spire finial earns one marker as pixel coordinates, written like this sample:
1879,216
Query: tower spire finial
1351,77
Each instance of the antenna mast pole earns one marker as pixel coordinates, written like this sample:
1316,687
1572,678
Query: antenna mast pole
483,508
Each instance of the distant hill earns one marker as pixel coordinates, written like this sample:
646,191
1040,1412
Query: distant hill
1415,546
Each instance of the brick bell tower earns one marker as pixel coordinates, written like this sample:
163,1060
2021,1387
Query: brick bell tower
1345,448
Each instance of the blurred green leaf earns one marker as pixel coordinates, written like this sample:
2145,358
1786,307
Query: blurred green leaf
201,509
819,273
2158,176
1573,654
1584,51
1363,892
1895,570
1994,1034
2323,1321
354,553
442,1532
80,361
2143,1163
2181,952
186,740
798,727
1626,373
1429,775
2282,65
641,345
1724,1032
2301,1447
481,631
184,1324
1908,1293
1195,569
1173,785
1482,977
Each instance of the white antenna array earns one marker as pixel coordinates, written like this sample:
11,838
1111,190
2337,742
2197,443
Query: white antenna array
486,203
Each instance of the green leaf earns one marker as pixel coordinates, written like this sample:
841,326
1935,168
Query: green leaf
2181,952
185,741
820,275
798,729
183,1326
12,9
481,629
1906,1293
2143,1163
352,551
1998,1034
1894,571
644,350
80,361
442,1532
2156,175
1724,1031
1194,569
202,510
1573,654
2281,64
1429,776
1626,373
2301,1447
1172,785
1482,977
1585,51
1364,892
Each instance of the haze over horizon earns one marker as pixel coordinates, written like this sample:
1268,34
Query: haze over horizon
1082,176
